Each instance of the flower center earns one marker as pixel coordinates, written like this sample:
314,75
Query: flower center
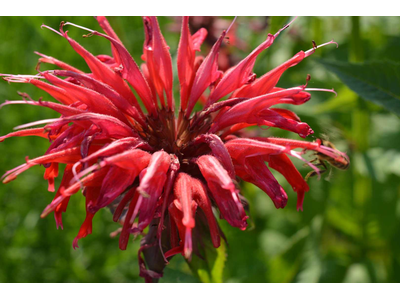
176,136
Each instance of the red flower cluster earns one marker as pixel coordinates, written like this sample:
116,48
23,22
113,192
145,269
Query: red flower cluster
157,167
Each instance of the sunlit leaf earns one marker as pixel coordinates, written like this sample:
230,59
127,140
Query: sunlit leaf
211,267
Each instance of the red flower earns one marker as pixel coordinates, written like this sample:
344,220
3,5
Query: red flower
156,166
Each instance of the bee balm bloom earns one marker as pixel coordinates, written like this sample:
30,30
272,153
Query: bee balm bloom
159,166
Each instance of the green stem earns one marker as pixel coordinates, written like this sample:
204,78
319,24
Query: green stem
362,192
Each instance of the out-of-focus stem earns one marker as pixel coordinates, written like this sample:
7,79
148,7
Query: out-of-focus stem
362,190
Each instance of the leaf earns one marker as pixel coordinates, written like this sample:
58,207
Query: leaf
391,49
209,269
376,81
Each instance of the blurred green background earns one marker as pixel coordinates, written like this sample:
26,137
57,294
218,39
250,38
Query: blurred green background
350,228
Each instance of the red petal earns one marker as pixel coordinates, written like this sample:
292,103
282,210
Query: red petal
218,150
122,205
205,75
95,101
57,93
272,118
67,156
51,173
201,198
60,108
101,71
54,61
183,192
115,147
110,126
114,184
120,102
158,60
262,177
26,132
134,160
62,207
239,149
286,114
223,190
237,76
93,179
246,111
185,232
198,38
131,72
103,22
124,236
265,83
185,62
151,186
86,228
284,165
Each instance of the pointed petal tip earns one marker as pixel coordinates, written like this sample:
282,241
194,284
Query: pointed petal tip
46,211
315,47
9,178
52,29
187,252
285,27
75,243
59,224
322,90
230,26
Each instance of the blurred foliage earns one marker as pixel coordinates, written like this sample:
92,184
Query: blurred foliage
349,230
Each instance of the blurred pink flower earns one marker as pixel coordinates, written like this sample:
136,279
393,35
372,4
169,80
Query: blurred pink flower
156,166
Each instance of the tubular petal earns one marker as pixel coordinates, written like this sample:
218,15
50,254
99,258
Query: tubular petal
284,165
219,151
185,62
26,132
237,76
205,75
151,186
263,178
223,190
100,70
131,72
158,58
101,88
265,83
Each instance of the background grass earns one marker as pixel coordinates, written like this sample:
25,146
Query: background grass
349,230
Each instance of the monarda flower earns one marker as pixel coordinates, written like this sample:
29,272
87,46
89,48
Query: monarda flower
162,167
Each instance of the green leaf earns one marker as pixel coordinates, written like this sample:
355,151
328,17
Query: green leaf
211,267
376,81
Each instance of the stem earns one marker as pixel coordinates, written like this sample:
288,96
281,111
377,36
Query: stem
362,189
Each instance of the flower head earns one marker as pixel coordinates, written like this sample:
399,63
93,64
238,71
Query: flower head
161,166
